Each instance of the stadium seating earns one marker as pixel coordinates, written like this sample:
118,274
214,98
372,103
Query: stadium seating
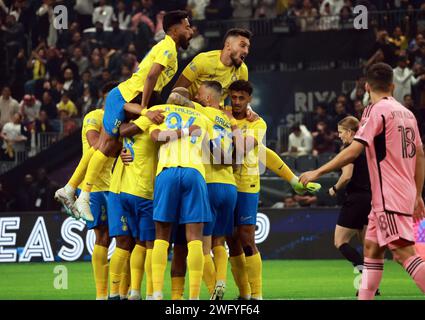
324,158
306,163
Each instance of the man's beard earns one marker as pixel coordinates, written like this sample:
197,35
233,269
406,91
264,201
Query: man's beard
234,61
184,43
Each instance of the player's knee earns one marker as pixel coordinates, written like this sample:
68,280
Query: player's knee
124,242
103,241
102,237
249,250
338,243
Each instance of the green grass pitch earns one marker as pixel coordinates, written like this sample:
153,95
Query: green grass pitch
282,279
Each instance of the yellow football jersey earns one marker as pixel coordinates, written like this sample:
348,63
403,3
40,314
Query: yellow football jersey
163,53
208,66
221,135
187,152
115,185
247,175
139,176
93,121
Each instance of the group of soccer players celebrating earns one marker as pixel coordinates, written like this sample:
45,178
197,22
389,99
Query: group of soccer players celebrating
185,172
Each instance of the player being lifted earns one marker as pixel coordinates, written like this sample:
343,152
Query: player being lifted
226,66
395,159
154,72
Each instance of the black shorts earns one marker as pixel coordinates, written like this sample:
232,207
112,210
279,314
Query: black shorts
355,210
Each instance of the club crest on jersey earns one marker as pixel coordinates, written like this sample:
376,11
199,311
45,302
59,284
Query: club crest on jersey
124,226
168,54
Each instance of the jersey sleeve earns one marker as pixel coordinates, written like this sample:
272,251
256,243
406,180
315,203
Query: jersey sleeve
92,122
153,127
165,56
370,127
143,123
194,68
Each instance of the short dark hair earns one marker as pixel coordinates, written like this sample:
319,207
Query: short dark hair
173,18
109,86
242,85
380,77
234,32
296,127
215,85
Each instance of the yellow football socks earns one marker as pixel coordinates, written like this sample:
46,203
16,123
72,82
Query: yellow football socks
276,164
80,171
241,277
137,266
116,267
148,271
177,288
159,263
209,273
220,261
125,280
195,265
95,166
100,270
253,267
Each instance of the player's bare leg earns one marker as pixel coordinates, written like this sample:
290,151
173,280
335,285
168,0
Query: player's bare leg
108,146
220,262
342,239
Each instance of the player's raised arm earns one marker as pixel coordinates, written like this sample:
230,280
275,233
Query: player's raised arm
183,82
150,83
129,130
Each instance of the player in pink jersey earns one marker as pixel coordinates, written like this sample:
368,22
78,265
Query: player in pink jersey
396,163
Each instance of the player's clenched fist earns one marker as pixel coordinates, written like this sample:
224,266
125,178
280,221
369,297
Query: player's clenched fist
195,131
156,116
